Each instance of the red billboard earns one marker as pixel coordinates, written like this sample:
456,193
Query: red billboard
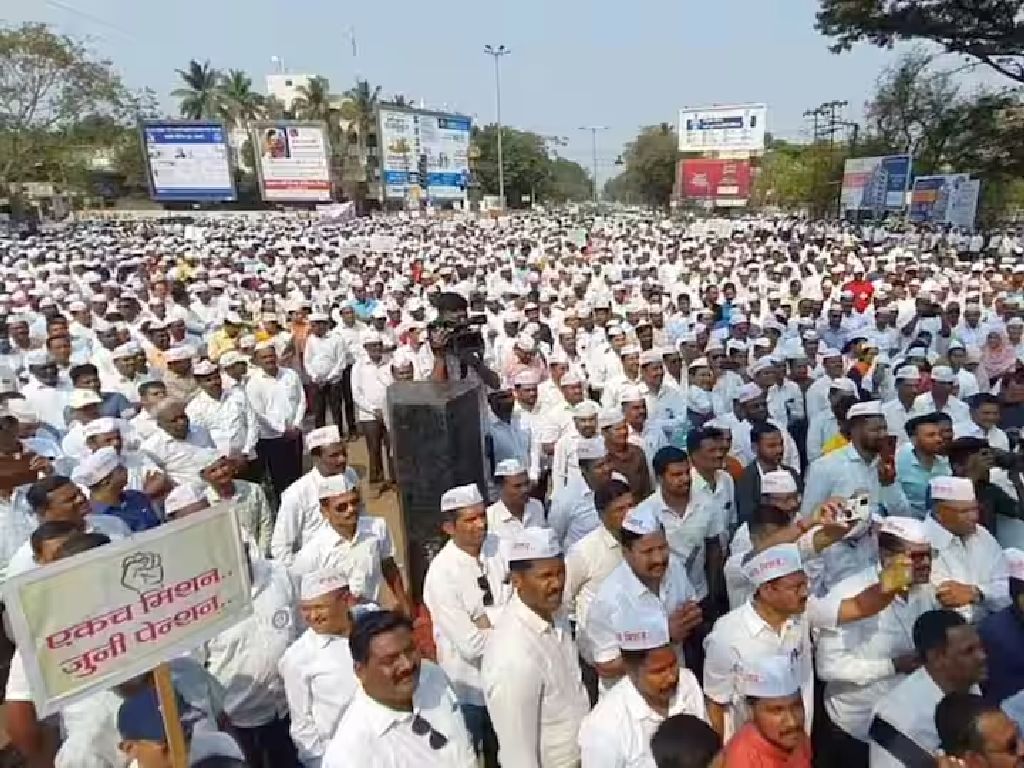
723,181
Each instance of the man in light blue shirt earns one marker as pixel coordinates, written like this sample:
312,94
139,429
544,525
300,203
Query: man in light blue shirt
918,461
857,468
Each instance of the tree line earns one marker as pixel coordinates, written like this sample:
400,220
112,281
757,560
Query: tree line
67,117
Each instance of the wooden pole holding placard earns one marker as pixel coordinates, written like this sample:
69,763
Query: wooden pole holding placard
172,718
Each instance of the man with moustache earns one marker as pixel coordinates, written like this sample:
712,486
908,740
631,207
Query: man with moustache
530,671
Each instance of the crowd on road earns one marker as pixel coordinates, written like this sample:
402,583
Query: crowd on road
752,493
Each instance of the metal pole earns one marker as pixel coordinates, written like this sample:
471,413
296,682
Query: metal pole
497,53
593,139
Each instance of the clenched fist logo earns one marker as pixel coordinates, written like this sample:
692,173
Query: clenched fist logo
142,571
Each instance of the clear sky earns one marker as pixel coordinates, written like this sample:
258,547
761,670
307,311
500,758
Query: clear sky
573,62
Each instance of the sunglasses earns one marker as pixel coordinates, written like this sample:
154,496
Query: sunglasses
486,589
421,727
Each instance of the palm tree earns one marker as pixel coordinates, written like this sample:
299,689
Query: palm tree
274,109
202,99
360,109
313,101
241,102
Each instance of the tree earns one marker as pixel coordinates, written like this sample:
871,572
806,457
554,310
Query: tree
240,102
313,101
48,83
567,181
989,31
650,168
359,108
525,159
203,99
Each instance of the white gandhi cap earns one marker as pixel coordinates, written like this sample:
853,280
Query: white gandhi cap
534,544
769,677
951,489
461,497
640,630
591,448
778,481
335,485
318,438
641,521
319,583
773,563
96,466
509,468
909,529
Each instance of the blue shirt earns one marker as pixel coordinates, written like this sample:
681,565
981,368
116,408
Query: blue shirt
913,477
135,510
364,308
1002,633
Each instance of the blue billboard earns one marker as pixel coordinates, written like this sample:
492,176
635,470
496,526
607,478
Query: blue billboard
878,184
188,161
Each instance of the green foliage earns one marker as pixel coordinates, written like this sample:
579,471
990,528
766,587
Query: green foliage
203,96
650,168
529,169
989,31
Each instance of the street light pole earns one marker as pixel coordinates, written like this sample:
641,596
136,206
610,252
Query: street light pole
497,53
593,145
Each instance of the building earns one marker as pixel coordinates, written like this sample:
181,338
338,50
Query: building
285,87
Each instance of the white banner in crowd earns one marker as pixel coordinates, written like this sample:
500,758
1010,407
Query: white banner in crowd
92,621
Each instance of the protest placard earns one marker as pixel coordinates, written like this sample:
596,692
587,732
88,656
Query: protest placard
97,619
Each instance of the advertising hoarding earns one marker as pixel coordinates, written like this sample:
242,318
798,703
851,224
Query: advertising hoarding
950,198
188,160
292,161
412,140
722,129
875,183
723,183
90,622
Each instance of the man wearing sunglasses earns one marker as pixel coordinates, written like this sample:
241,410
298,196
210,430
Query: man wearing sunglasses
404,713
464,590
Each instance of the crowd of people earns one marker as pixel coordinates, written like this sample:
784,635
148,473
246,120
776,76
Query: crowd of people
752,489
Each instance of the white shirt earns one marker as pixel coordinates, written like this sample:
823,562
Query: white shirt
372,735
244,657
572,514
48,402
506,526
623,593
325,357
720,499
822,428
587,564
180,459
617,733
741,636
896,417
910,709
299,515
359,558
452,594
856,659
687,535
667,409
319,683
230,421
369,387
534,691
955,408
843,473
977,560
279,402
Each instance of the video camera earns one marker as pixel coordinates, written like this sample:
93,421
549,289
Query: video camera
463,335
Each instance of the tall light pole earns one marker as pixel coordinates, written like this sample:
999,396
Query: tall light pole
497,53
278,62
593,145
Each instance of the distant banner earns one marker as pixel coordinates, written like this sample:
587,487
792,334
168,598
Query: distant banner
722,183
414,140
722,129
293,161
876,184
92,621
950,198
188,160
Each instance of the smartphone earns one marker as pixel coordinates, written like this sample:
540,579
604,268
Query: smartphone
887,450
15,471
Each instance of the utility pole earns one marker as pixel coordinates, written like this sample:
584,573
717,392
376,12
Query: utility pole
593,145
497,53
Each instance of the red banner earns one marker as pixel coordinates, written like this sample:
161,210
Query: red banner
714,179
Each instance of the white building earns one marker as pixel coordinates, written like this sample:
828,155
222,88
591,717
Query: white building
285,86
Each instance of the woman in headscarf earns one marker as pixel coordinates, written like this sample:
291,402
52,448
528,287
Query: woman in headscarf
998,357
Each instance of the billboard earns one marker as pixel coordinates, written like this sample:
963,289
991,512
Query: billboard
950,198
875,183
412,141
722,129
722,183
292,161
188,160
